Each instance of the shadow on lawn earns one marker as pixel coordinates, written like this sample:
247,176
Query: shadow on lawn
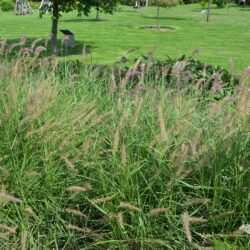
83,20
200,9
220,14
133,10
62,50
166,18
245,9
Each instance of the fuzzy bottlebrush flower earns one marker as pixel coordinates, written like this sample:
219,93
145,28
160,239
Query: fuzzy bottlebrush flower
33,174
24,238
84,53
116,140
4,171
197,220
112,84
39,50
2,46
245,228
75,212
120,220
23,40
186,225
134,73
103,199
69,163
11,47
217,86
156,211
124,118
161,121
26,52
186,75
6,197
29,210
34,43
79,189
179,67
224,214
197,201
8,228
5,157
129,206
99,119
47,42
118,217
80,229
123,154
137,113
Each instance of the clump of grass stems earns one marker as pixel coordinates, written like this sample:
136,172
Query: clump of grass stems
86,163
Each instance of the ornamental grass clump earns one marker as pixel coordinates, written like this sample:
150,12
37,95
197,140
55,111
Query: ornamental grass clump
86,165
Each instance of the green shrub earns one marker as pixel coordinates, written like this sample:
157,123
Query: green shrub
153,2
188,71
127,2
35,5
220,3
190,1
182,72
164,3
7,5
203,3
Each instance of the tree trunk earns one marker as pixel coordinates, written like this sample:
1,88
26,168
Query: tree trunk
208,10
54,29
158,16
137,4
146,3
97,15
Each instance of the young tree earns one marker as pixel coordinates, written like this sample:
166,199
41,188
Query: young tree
208,10
107,6
163,3
58,7
203,3
158,4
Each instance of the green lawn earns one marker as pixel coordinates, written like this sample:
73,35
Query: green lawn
226,37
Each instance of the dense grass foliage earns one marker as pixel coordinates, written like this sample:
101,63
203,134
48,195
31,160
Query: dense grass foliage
225,38
89,163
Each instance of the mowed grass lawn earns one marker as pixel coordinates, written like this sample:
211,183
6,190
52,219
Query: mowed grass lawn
225,38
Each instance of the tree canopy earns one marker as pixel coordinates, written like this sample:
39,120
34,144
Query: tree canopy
57,7
65,6
106,6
